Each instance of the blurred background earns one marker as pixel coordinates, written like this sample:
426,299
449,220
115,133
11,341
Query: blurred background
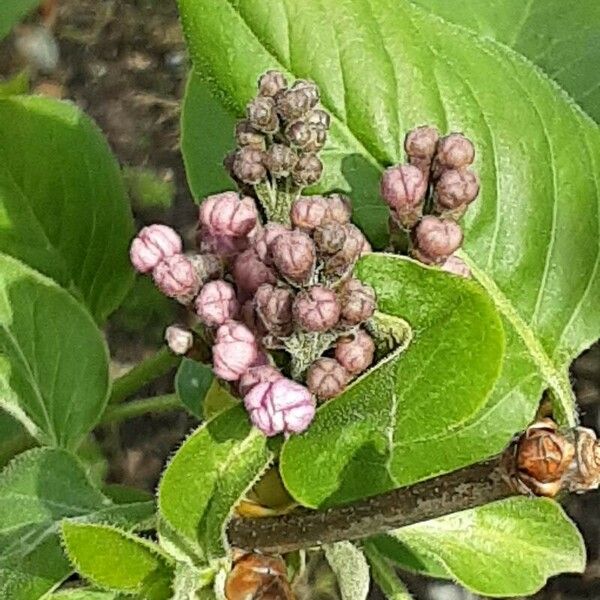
124,63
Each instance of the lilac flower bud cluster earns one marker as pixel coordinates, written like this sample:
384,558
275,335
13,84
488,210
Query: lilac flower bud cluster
431,193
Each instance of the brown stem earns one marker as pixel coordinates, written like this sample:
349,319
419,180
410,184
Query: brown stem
467,488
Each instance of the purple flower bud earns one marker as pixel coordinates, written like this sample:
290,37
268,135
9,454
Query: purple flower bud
308,212
454,151
280,160
226,214
355,245
308,170
358,302
153,244
421,143
355,353
255,375
294,255
281,406
264,239
246,135
326,378
339,209
330,238
455,189
216,303
248,165
179,340
435,239
316,309
176,277
274,306
262,115
223,246
234,352
249,273
456,266
271,83
403,188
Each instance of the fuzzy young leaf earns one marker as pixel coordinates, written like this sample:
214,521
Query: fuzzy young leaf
351,570
447,371
53,359
39,489
63,202
507,548
208,476
116,560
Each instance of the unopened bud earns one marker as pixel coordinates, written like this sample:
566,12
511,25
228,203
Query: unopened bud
178,339
420,145
249,273
227,214
274,306
234,352
308,212
454,151
176,277
298,100
455,189
271,83
223,246
456,266
330,238
260,577
435,239
248,165
216,303
208,266
339,209
403,188
246,135
316,309
153,244
308,170
326,378
307,137
255,375
319,118
294,255
355,353
358,302
355,244
262,115
264,239
280,160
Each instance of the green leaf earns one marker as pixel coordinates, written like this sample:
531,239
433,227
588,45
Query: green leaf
207,477
563,43
408,401
351,570
16,85
147,189
62,200
114,559
86,594
384,575
532,237
507,548
12,11
13,438
53,359
39,489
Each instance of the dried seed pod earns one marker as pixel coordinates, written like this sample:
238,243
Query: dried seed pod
308,170
421,144
355,244
258,577
248,165
249,273
435,239
355,353
456,266
264,239
403,188
272,83
216,303
326,378
246,135
234,352
262,114
280,160
152,245
357,301
179,339
316,309
228,214
176,277
454,151
330,238
274,307
294,255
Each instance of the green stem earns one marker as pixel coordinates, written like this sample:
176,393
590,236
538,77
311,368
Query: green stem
137,408
148,370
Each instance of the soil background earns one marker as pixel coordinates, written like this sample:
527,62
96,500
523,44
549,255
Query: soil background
124,63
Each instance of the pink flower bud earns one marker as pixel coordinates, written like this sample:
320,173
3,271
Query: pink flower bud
223,246
358,302
455,189
326,378
355,244
249,317
234,352
403,188
176,277
421,143
456,266
294,255
454,151
255,375
274,306
249,273
179,339
281,406
216,303
265,237
355,353
153,244
309,212
339,209
226,214
316,309
435,239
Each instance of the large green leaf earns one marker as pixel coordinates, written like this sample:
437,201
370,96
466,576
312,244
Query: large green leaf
39,489
63,208
563,43
11,11
208,476
383,430
507,548
53,359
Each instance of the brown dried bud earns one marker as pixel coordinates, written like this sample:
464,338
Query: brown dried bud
308,212
355,353
355,244
316,309
584,474
208,266
307,137
274,307
248,165
280,160
358,302
308,170
294,255
421,143
271,83
246,135
326,378
298,100
455,189
330,238
454,151
319,118
262,114
258,577
403,188
435,239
